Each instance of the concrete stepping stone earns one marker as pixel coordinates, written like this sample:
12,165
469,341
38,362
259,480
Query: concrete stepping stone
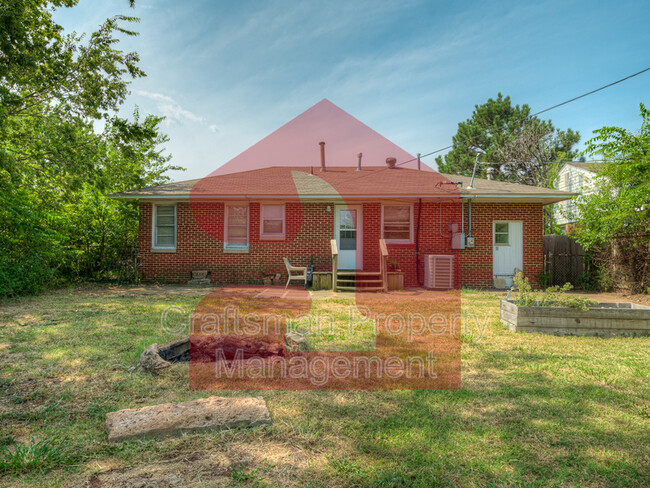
172,418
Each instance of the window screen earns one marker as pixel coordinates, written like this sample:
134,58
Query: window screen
397,222
165,226
236,226
272,220
348,230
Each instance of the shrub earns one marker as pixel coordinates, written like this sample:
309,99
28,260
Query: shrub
614,224
553,296
544,278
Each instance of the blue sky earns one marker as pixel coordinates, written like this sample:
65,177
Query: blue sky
226,74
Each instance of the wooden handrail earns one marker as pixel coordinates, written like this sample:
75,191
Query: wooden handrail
335,262
383,251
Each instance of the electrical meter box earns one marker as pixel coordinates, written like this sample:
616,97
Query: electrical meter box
470,242
458,240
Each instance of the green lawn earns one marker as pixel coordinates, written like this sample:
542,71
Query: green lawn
328,327
533,411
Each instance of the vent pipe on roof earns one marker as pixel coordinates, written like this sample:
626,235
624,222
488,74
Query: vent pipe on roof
360,155
471,183
391,162
322,155
490,172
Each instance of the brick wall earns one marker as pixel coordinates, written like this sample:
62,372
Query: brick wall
477,262
434,239
203,250
309,228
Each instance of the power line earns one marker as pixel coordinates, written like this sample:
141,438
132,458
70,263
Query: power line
524,118
591,92
537,113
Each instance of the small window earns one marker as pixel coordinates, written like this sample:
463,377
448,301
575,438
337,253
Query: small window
501,234
348,229
236,231
397,220
272,224
566,180
164,229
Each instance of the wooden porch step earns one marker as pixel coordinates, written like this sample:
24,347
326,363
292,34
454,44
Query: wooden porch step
359,280
352,280
360,288
357,273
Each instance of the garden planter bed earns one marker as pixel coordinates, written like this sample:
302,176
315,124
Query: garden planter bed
603,319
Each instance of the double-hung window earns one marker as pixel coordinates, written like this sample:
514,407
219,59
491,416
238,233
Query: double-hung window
397,224
164,227
236,228
272,221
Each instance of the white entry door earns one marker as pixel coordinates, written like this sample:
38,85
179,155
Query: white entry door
348,233
508,254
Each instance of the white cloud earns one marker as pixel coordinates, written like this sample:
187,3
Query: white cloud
173,111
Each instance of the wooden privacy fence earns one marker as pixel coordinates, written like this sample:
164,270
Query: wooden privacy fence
563,260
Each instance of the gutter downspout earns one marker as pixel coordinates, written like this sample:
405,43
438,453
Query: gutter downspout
462,215
417,245
469,218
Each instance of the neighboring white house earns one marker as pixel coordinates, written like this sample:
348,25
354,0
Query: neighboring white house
575,176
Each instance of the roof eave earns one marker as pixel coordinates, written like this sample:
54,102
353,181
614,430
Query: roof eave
530,197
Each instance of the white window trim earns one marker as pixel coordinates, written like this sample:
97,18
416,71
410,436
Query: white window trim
154,219
284,222
236,248
494,232
398,241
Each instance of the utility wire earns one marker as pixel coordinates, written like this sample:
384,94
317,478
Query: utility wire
536,113
524,118
591,92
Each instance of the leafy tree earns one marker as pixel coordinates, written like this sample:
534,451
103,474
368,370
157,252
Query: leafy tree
107,241
532,155
615,219
55,167
517,147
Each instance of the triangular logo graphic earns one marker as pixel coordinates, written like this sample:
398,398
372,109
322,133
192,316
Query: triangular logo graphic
296,144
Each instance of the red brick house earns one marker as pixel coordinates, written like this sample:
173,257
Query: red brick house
302,187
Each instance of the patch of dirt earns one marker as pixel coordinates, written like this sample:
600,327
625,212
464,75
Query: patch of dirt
145,290
278,454
213,470
613,297
27,319
209,471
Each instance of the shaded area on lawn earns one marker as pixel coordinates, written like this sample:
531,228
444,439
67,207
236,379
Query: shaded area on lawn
534,410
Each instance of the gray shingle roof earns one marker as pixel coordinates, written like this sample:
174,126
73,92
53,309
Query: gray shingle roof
372,182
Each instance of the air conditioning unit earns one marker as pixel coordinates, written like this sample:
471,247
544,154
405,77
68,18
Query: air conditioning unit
439,271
